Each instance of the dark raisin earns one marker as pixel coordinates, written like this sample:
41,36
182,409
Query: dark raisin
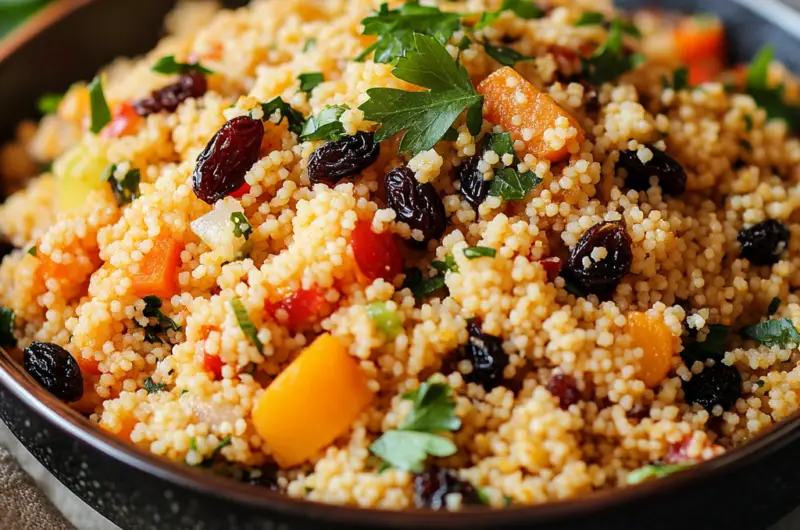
188,85
416,204
474,187
229,155
604,276
6,248
263,477
343,158
55,369
488,359
719,384
671,175
565,388
432,486
764,243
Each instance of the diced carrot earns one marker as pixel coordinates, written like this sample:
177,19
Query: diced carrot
312,402
158,271
654,337
124,122
704,71
213,364
700,37
122,428
89,366
520,108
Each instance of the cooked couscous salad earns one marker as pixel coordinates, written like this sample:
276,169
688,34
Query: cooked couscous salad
434,255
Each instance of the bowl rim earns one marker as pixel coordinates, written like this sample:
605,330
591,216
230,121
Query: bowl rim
15,380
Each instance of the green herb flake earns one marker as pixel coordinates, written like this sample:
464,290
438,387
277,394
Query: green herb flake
590,18
126,189
654,471
479,252
525,9
152,387
310,81
779,332
152,309
610,60
748,123
428,287
168,65
209,461
33,251
464,43
295,118
241,226
711,348
8,320
504,55
101,114
309,45
447,265
680,80
326,126
386,320
433,410
451,135
396,29
49,102
760,383
246,324
193,444
774,305
771,99
509,184
425,116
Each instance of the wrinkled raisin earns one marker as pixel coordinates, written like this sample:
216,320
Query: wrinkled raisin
474,187
416,204
671,175
343,158
432,486
55,369
603,276
227,158
719,384
565,388
188,85
764,243
488,359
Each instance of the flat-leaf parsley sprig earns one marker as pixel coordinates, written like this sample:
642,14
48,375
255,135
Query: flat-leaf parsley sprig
425,116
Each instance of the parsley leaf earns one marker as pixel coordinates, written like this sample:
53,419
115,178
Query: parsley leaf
654,471
480,252
8,321
426,116
152,387
100,112
680,80
590,18
48,103
779,332
433,409
504,55
326,126
771,99
168,65
610,60
508,183
126,189
310,81
294,117
241,226
395,29
33,251
246,324
774,305
522,8
309,45
449,264
152,309
209,461
712,348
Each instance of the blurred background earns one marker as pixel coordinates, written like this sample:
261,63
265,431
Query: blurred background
13,12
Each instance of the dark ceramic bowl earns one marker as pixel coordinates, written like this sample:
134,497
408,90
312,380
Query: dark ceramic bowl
749,488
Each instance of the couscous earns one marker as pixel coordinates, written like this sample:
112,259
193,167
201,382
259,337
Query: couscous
397,255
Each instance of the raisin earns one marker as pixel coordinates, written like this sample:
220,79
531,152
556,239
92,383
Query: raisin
488,359
229,155
263,477
432,486
474,187
6,248
719,384
188,85
565,388
55,369
603,276
671,175
416,204
343,158
764,243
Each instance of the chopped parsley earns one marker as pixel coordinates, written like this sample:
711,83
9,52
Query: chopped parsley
309,45
712,348
326,126
774,305
49,102
419,285
8,321
241,226
508,183
101,114
152,309
611,60
33,251
449,264
778,332
396,29
409,446
771,99
168,65
654,471
126,189
209,461
505,55
425,116
152,387
246,324
591,18
522,8
479,252
680,79
287,112
748,122
310,81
